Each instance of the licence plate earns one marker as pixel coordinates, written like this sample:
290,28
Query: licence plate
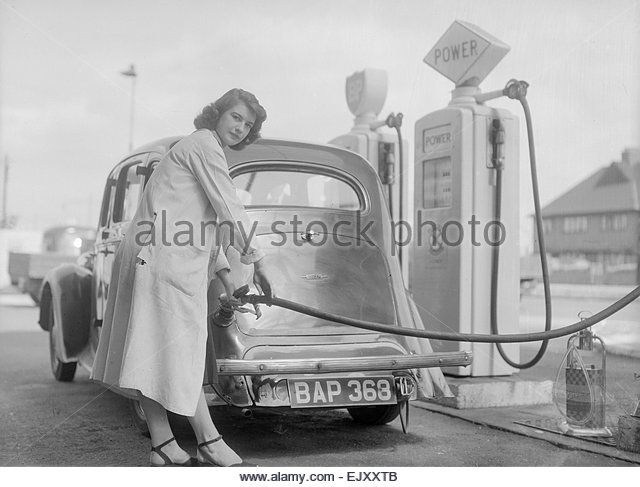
341,391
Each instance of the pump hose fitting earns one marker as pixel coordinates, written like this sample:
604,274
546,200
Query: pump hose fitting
394,121
516,90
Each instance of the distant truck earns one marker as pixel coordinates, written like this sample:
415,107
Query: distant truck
60,245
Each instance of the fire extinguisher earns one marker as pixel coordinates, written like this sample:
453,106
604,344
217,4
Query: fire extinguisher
583,369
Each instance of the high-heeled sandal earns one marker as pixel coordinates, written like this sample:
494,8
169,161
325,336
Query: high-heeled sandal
192,462
209,461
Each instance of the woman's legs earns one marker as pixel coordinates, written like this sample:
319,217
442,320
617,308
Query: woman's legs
160,431
204,429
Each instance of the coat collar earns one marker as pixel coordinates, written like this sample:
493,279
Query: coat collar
216,136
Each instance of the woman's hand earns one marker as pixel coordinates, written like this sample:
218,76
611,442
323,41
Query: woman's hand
262,278
225,277
228,299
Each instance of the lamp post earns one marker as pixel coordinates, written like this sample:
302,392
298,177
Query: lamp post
131,73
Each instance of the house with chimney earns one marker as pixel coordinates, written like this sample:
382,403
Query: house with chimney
592,232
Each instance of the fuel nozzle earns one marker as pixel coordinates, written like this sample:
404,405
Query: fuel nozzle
387,160
223,316
497,143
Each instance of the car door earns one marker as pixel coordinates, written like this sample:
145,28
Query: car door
120,201
102,250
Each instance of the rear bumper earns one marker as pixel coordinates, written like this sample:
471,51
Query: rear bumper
333,365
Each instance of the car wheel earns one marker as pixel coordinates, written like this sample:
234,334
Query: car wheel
138,417
375,415
62,371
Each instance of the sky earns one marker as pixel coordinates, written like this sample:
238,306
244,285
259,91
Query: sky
65,106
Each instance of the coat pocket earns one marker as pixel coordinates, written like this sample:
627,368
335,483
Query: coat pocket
184,268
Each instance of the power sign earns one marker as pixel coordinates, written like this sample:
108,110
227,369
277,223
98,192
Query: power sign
466,54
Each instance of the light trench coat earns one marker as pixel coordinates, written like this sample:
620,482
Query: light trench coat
154,330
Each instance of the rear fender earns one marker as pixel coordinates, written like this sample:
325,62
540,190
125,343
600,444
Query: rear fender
68,289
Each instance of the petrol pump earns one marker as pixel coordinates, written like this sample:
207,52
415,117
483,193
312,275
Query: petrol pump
458,152
366,92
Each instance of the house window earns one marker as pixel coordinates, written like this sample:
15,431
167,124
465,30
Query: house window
614,223
576,224
619,223
547,225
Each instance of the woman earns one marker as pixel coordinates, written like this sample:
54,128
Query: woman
155,324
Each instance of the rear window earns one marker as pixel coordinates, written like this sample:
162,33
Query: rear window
300,189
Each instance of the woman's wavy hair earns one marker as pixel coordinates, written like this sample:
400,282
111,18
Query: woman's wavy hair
210,115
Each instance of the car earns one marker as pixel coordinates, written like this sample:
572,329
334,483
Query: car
319,214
